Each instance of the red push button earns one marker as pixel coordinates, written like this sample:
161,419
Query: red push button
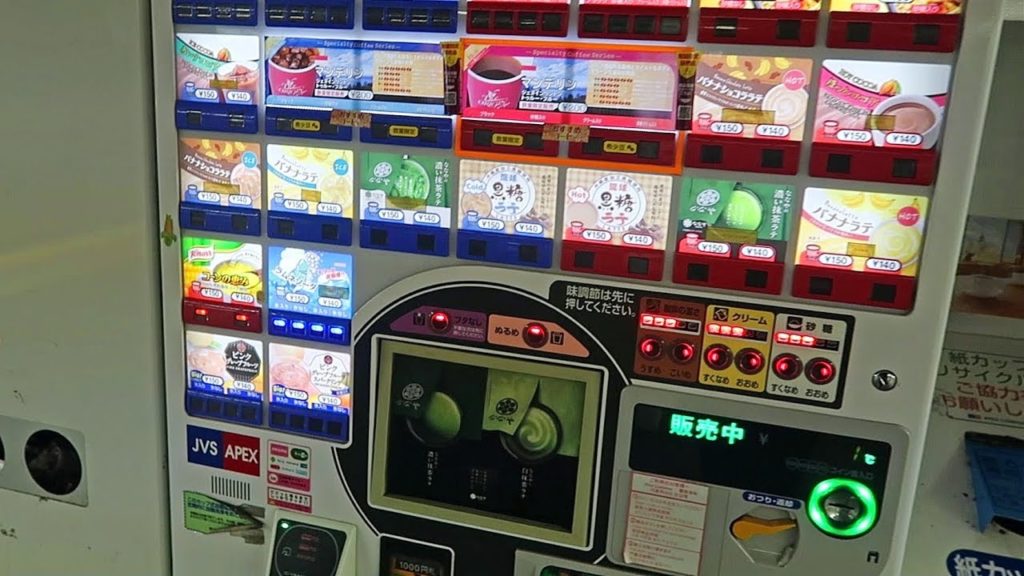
750,361
821,371
787,366
440,322
683,352
535,335
718,357
650,348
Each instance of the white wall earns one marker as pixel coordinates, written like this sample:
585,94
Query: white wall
79,325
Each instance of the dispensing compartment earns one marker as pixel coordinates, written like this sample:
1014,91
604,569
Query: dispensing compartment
494,442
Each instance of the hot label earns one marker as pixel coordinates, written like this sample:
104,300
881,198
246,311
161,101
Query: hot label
856,136
837,260
727,128
772,131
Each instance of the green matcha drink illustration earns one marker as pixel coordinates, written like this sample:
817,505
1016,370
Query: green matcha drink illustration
737,219
537,438
405,188
410,185
440,421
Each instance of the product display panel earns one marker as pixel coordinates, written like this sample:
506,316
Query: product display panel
556,288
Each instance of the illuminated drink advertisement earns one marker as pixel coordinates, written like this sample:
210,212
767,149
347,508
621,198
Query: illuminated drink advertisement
310,379
220,173
222,271
862,231
224,365
408,189
927,7
731,219
881,104
313,282
218,68
617,208
307,180
806,5
500,198
595,85
751,96
355,75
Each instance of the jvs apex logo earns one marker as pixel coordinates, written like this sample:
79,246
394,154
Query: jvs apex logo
224,450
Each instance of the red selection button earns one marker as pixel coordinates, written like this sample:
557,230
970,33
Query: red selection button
535,335
787,366
718,357
683,352
750,361
440,322
650,348
821,371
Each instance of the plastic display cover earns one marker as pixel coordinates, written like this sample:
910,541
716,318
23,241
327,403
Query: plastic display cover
309,378
617,208
315,282
732,219
596,85
862,231
224,365
409,189
925,7
533,421
218,68
305,180
883,104
355,75
507,198
751,96
222,271
220,172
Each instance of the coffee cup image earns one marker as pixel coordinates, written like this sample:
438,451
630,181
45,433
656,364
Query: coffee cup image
293,71
537,438
495,82
908,114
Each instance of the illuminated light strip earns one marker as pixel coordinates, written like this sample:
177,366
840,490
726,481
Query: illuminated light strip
794,339
816,509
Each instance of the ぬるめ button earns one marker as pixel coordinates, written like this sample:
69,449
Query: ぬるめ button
535,335
440,322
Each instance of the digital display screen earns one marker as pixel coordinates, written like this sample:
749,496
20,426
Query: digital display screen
617,208
355,75
224,365
220,172
306,180
751,96
732,219
222,271
763,457
505,198
502,444
311,379
883,104
862,231
409,189
594,85
218,68
315,282
302,549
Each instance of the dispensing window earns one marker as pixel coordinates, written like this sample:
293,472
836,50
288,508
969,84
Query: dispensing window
503,444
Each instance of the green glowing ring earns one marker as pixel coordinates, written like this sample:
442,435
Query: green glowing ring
816,511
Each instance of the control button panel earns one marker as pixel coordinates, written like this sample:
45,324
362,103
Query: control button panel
807,353
736,341
669,339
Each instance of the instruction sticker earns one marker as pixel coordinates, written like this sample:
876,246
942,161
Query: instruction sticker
207,515
665,523
289,500
289,466
981,387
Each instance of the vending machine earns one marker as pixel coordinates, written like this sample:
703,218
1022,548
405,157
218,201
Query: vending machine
557,288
